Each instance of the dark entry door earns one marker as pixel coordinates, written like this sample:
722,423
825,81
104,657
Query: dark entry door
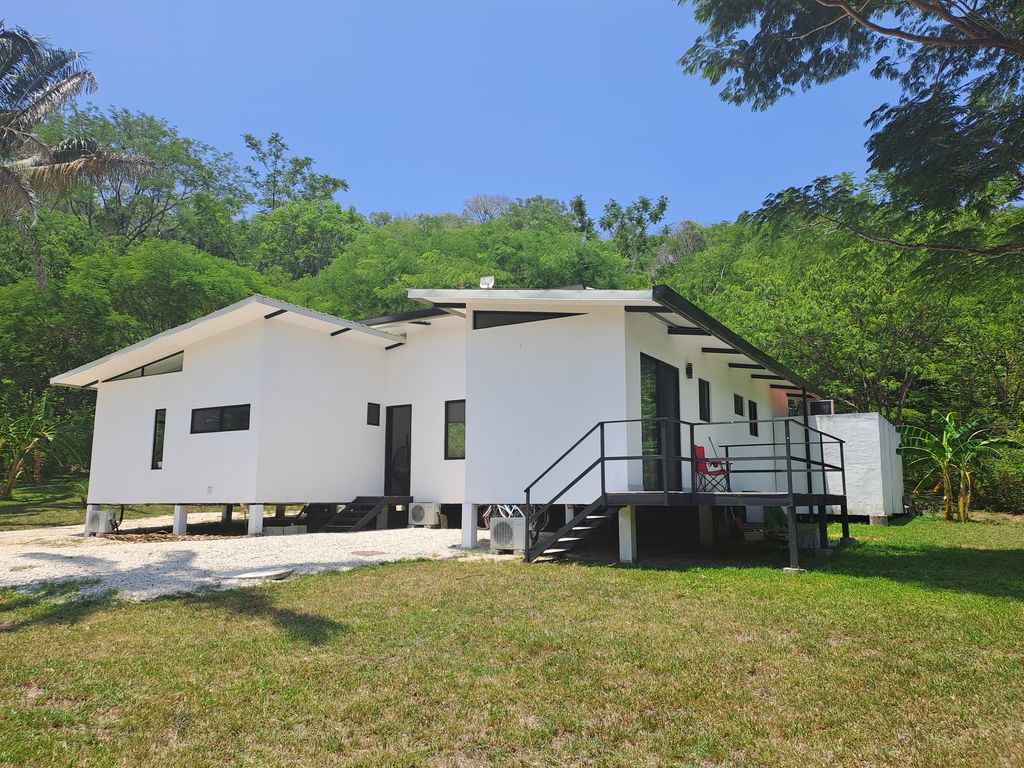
659,397
397,450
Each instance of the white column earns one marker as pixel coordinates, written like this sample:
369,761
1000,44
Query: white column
627,534
180,519
255,519
706,521
570,512
469,526
89,509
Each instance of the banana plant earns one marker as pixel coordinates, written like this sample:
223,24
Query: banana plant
951,456
24,433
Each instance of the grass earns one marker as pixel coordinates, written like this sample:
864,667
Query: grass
56,502
904,650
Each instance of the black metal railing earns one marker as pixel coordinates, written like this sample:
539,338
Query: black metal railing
810,466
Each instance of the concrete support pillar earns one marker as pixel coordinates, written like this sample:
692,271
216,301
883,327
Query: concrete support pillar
180,519
469,526
794,545
89,509
570,512
255,519
279,511
627,534
225,515
822,527
706,523
381,521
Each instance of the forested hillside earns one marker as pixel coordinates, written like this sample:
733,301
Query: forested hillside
869,325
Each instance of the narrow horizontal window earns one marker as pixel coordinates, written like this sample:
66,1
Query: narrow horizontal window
373,414
159,424
455,429
491,319
223,418
169,364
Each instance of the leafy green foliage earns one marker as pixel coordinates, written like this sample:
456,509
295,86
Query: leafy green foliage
278,178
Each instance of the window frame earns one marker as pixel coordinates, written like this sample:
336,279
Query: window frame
753,426
447,424
142,370
373,414
156,458
704,400
220,419
738,405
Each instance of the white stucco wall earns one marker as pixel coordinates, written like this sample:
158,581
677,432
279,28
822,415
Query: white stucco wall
204,468
315,444
535,389
426,372
646,335
874,470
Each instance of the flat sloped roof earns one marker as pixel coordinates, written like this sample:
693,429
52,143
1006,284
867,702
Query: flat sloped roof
175,339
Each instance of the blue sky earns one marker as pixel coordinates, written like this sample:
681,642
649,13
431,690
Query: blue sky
420,105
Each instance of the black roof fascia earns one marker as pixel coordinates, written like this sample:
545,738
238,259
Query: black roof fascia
402,317
669,298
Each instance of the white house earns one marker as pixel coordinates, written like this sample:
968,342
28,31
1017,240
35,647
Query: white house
472,400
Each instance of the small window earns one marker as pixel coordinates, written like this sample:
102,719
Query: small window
157,461
223,418
704,399
737,404
455,429
170,364
752,415
373,414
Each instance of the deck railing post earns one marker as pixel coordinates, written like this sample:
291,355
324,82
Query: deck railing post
821,458
604,490
789,461
693,464
664,458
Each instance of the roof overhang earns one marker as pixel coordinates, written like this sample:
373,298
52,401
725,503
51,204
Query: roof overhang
176,339
660,301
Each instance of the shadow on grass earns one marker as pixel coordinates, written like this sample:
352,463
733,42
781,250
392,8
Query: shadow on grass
989,572
63,602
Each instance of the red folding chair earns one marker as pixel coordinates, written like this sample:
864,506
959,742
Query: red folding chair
712,476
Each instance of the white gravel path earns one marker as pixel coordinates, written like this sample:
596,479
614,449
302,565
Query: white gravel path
145,570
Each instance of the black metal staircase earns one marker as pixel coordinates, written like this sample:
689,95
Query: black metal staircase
556,544
357,514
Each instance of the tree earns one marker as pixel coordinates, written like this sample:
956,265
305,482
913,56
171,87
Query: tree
953,140
36,80
277,178
954,451
27,428
191,186
630,230
482,207
302,237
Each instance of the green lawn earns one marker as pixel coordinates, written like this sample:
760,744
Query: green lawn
904,650
56,502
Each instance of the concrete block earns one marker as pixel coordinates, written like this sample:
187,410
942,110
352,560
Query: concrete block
793,570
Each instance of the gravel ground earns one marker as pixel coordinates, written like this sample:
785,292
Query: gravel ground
145,570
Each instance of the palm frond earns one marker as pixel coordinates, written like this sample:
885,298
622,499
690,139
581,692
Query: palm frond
91,168
44,103
16,193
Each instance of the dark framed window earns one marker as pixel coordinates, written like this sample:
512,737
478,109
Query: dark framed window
159,425
373,414
222,418
752,415
170,364
737,404
704,399
490,319
455,429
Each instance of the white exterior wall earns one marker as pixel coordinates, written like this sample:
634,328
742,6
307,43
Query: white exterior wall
647,335
314,442
535,389
218,467
427,372
874,469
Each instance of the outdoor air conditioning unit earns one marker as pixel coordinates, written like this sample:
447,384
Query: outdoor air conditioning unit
508,533
424,515
99,521
822,407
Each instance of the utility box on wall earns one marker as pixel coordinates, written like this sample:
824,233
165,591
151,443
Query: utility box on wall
874,468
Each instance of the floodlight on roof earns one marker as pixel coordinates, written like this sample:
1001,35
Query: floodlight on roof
487,282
